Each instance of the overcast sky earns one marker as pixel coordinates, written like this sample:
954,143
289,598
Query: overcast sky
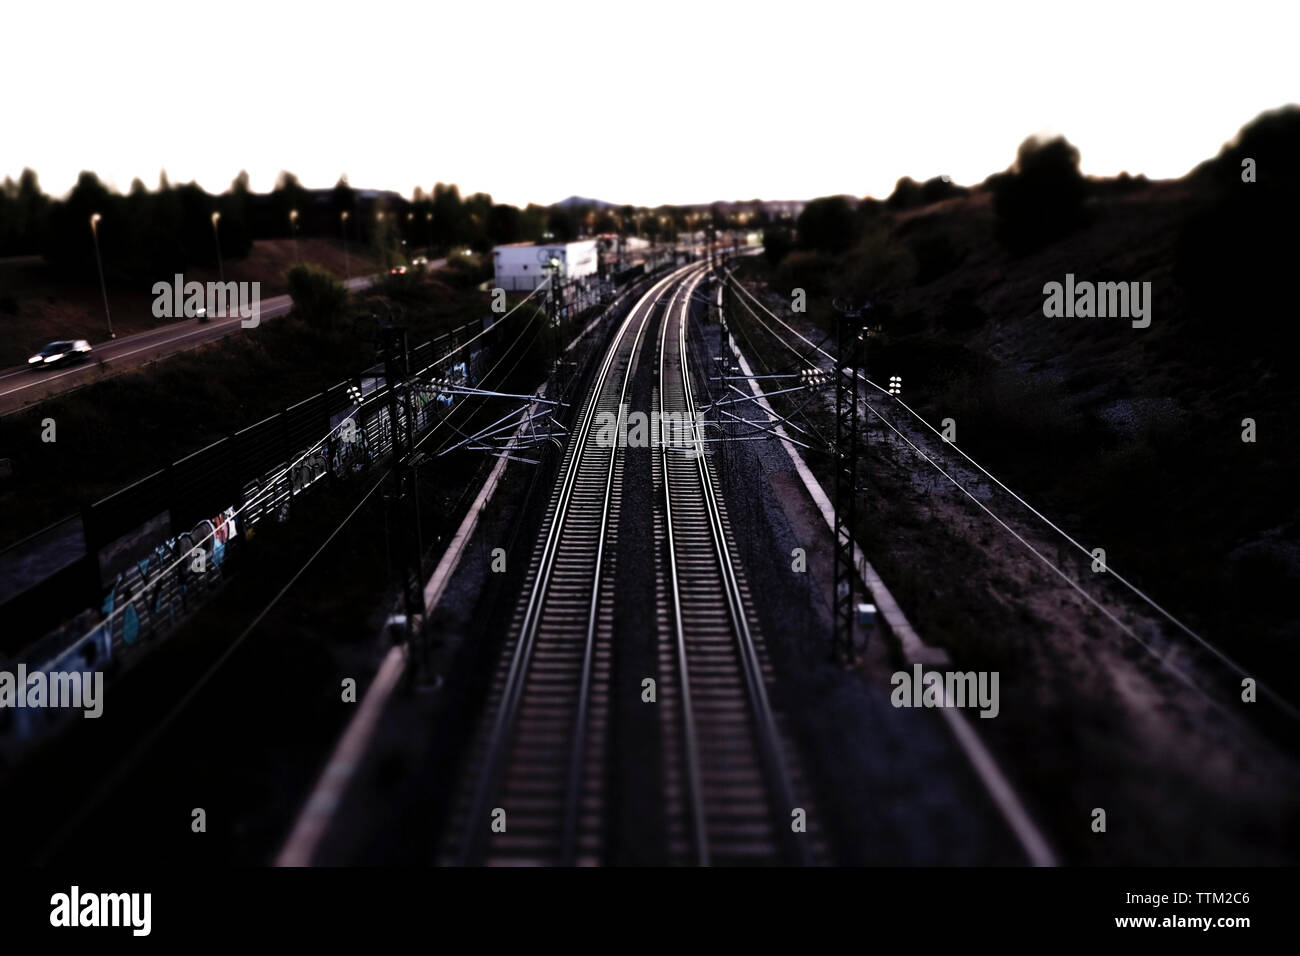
641,103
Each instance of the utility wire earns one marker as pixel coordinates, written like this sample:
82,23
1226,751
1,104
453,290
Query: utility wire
1285,705
123,767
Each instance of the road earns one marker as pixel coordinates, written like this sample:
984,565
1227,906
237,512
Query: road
21,386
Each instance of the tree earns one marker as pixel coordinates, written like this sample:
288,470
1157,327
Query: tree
907,194
68,244
448,213
23,208
288,195
1236,254
560,224
504,225
777,242
343,199
319,299
826,225
532,223
1039,199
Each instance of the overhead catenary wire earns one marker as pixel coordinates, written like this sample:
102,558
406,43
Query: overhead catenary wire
142,748
268,488
1282,703
480,334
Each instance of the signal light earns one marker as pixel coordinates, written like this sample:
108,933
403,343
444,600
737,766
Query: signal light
813,377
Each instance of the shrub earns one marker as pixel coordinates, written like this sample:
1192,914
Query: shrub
319,299
777,242
935,256
1040,199
937,189
805,270
961,314
906,194
826,225
466,272
1234,258
878,264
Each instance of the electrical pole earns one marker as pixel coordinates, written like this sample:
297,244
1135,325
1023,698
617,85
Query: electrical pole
553,317
216,236
343,228
851,345
94,232
403,496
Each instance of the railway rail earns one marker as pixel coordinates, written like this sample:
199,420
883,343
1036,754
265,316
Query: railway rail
533,790
728,786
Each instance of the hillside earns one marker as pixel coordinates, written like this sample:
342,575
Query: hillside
1132,438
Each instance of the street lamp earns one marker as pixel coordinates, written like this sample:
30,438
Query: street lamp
293,228
221,268
343,227
428,217
94,232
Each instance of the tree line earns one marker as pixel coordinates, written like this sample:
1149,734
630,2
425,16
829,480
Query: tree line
148,232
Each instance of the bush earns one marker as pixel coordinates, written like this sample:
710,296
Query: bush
1040,199
961,314
938,189
319,299
805,270
467,272
935,256
1234,258
826,225
777,243
867,214
877,265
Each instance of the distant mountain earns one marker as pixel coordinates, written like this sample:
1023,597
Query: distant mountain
574,201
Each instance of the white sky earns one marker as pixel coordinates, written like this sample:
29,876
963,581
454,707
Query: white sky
650,102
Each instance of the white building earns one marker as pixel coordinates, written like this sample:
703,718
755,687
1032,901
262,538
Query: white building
524,266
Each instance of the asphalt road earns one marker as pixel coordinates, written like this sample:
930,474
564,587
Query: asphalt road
21,386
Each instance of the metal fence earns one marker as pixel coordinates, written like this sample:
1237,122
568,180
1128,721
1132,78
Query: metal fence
158,548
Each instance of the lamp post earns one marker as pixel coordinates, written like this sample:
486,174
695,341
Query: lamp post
343,227
428,218
554,265
94,232
216,236
293,228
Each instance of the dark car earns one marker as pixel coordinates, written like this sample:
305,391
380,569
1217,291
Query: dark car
60,353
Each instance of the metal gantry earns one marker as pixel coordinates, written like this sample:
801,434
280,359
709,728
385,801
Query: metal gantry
403,496
851,345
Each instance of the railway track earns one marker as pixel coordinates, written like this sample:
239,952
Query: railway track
728,785
534,787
